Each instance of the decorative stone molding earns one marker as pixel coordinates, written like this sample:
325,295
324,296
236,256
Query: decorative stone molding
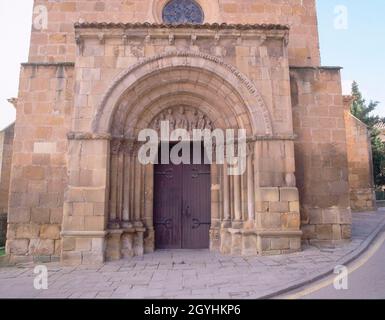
87,136
233,70
207,26
273,138
13,101
87,234
80,44
183,118
48,64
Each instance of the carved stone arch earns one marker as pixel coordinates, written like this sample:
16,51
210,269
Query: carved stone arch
225,114
253,102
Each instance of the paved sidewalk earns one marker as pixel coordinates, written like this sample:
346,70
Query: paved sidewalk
193,274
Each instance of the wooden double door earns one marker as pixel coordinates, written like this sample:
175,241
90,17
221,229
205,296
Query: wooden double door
182,205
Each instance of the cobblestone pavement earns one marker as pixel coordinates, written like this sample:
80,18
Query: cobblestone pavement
186,274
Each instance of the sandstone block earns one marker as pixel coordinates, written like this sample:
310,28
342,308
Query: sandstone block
17,247
92,258
294,206
324,232
27,231
98,244
295,243
282,206
280,243
330,216
40,215
71,258
289,194
83,244
337,235
346,231
50,231
308,232
41,247
267,194
270,220
264,244
315,216
94,223
69,244
19,215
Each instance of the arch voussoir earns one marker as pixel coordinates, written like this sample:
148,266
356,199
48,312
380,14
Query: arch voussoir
232,79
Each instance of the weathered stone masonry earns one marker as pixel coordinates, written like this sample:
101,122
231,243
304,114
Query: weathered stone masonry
95,78
6,143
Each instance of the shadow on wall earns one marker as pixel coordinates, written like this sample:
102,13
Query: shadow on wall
3,229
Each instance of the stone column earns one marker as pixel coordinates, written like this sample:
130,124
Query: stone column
115,176
86,199
250,187
149,240
225,246
215,208
226,197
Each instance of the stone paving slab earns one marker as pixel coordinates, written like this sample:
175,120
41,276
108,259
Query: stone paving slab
193,274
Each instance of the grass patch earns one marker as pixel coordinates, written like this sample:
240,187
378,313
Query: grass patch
2,252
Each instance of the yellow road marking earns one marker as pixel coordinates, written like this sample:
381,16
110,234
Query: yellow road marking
353,267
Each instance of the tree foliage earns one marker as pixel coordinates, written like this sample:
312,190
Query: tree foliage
364,112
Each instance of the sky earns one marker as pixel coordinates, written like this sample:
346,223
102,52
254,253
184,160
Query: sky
352,35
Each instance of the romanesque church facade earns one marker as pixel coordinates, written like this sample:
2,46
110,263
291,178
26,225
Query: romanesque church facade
101,71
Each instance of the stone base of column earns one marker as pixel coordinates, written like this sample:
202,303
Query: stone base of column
215,239
278,242
125,243
149,241
245,242
83,247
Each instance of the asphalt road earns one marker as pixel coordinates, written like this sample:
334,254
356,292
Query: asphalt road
366,282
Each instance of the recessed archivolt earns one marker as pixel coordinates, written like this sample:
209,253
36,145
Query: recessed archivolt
190,102
142,74
222,105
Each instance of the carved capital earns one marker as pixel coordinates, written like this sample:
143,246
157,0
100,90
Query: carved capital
116,146
80,44
102,38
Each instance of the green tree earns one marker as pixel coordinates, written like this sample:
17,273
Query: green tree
364,112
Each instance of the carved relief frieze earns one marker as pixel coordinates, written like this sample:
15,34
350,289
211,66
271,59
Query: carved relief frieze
182,118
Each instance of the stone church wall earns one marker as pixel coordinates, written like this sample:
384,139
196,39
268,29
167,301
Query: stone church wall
6,143
57,43
68,73
362,196
39,173
321,153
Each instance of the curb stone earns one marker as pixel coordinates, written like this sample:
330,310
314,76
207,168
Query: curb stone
353,255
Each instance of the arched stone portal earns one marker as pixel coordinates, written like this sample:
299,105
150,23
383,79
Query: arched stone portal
119,190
